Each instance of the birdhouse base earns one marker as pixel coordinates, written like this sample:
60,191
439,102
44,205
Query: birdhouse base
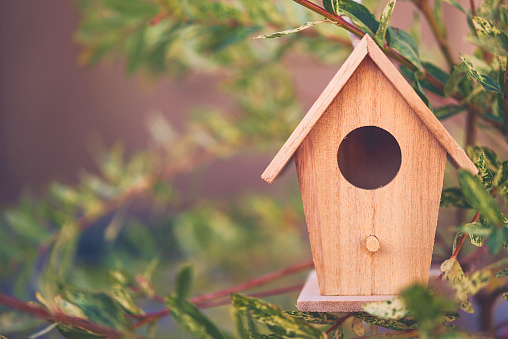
311,300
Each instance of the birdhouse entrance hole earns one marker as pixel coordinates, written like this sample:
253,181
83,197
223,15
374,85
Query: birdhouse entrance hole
369,157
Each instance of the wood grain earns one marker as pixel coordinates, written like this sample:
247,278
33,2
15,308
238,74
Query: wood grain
402,214
366,48
304,127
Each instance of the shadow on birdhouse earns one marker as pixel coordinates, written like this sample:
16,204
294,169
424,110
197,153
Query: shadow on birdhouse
370,160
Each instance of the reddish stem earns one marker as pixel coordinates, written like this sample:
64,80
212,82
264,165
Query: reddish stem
459,245
337,324
201,299
475,218
43,313
259,281
264,294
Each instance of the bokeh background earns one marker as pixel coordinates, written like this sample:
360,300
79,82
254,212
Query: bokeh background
52,107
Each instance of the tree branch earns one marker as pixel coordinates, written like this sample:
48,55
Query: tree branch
43,313
201,299
424,7
475,218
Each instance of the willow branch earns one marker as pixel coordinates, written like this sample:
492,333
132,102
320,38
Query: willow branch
475,218
145,184
201,299
424,7
339,21
43,313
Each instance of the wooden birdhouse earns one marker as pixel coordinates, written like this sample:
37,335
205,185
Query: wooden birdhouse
370,159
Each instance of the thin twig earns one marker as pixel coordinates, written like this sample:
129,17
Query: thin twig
201,299
463,238
339,21
264,294
424,7
43,313
338,323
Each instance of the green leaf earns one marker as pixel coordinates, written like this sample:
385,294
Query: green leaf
462,285
426,308
505,296
452,271
192,320
479,198
477,232
456,77
291,31
321,318
337,333
183,285
136,50
455,4
15,321
456,240
405,45
438,14
502,273
490,37
501,178
485,170
251,334
487,82
358,13
453,197
272,316
98,307
498,239
393,308
392,324
357,327
132,8
437,73
383,22
123,298
240,330
445,112
23,223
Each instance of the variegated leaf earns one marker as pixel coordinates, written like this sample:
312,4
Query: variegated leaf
487,82
291,31
314,317
383,22
395,324
387,309
272,316
502,273
358,327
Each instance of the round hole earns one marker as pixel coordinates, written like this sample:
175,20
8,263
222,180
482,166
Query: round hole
369,157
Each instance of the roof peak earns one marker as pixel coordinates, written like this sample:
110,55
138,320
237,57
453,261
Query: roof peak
366,47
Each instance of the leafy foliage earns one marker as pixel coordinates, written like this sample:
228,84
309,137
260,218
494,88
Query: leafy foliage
42,236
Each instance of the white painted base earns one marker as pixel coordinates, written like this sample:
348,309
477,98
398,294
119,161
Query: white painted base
311,300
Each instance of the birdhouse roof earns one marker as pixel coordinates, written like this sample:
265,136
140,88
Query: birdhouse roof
367,47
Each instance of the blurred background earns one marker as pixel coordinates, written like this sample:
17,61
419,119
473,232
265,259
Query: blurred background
52,107
58,115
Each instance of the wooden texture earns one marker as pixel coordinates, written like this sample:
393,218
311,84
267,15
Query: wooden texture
310,300
366,48
402,215
372,243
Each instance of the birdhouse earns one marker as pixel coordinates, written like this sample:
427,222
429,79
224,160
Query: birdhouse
370,159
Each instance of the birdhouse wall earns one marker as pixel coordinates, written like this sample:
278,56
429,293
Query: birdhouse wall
402,215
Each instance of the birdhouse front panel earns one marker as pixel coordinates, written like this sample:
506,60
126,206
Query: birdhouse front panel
370,174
